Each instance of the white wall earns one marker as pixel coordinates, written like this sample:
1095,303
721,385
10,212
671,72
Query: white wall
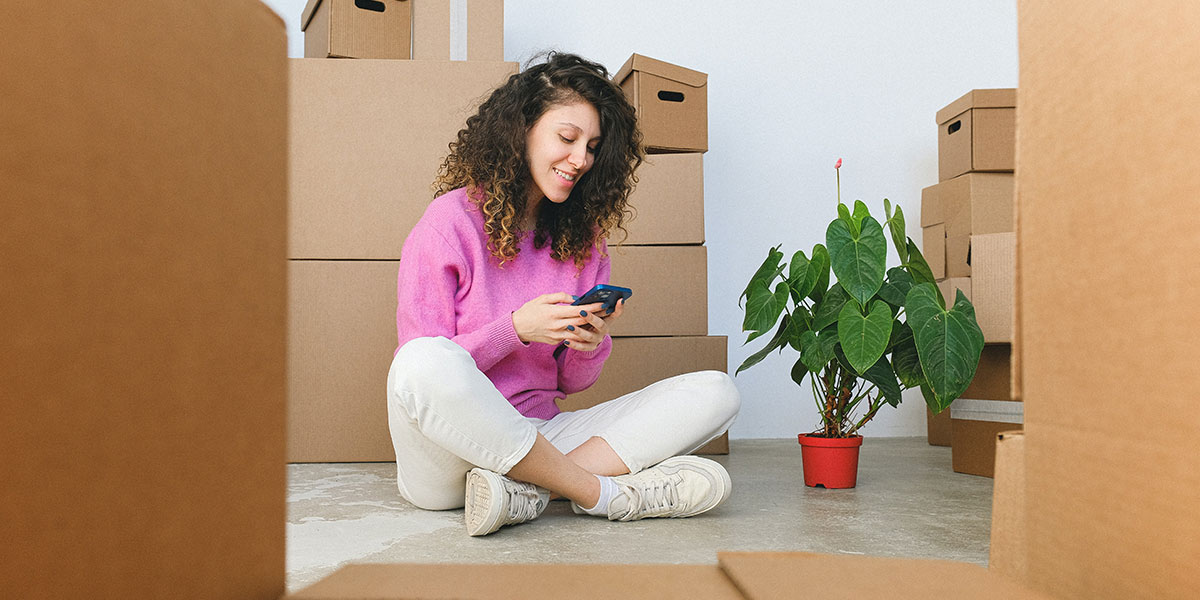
793,85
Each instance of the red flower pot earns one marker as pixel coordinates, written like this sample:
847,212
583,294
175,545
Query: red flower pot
830,462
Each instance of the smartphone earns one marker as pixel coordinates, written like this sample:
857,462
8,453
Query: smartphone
608,294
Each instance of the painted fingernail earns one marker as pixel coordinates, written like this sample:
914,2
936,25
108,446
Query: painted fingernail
574,297
583,313
566,343
570,328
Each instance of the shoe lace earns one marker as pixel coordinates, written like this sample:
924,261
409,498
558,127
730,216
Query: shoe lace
524,503
656,496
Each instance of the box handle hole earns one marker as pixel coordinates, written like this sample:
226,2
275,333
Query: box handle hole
955,126
373,5
670,96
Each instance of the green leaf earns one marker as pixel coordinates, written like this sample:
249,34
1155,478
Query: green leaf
858,260
949,342
905,360
896,227
827,310
766,273
778,340
820,265
844,216
895,287
802,276
916,265
799,324
860,212
932,400
799,371
817,348
864,338
884,378
763,308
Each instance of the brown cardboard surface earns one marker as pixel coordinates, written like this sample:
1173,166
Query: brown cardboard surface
933,246
668,202
480,34
638,362
1108,354
144,184
992,379
958,256
952,285
975,203
670,290
485,30
1007,551
341,338
367,137
931,207
993,267
973,445
522,581
671,102
937,427
976,133
342,28
771,575
431,30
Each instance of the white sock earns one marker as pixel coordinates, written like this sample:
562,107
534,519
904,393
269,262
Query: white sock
608,489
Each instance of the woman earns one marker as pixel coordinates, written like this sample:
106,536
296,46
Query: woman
527,197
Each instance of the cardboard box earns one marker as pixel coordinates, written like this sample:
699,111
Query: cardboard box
976,133
952,285
976,423
993,380
1007,551
367,138
1108,348
458,30
341,339
931,207
933,246
993,285
937,427
144,177
958,256
671,103
670,290
638,362
668,202
357,28
977,203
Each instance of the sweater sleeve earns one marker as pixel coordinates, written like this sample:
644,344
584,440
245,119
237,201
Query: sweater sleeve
430,275
577,370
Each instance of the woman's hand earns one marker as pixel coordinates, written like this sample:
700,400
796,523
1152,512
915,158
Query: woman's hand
550,319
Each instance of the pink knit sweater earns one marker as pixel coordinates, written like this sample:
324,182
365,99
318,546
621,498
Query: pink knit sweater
450,285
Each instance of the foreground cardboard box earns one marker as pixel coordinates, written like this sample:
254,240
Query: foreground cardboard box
446,30
342,336
976,133
993,284
357,28
638,362
670,289
1007,551
367,137
144,170
737,576
1110,503
668,202
671,103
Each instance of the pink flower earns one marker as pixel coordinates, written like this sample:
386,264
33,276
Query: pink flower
838,164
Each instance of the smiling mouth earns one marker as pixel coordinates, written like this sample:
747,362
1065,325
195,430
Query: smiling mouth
570,178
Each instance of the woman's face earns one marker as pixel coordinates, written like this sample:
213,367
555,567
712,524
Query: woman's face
561,147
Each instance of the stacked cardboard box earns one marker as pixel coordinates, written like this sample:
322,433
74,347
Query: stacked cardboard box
967,227
662,256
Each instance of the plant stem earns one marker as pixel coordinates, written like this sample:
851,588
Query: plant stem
838,172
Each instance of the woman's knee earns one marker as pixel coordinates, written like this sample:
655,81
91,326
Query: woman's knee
720,394
429,361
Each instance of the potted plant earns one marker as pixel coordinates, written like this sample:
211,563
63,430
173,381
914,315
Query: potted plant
864,339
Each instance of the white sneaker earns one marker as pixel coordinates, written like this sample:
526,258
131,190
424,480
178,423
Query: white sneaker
682,486
493,501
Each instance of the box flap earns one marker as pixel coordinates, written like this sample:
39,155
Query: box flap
307,15
768,575
519,582
990,98
645,64
1007,552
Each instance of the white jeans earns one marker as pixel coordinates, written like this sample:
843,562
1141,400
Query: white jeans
446,417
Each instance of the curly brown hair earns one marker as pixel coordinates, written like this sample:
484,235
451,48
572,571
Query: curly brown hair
489,159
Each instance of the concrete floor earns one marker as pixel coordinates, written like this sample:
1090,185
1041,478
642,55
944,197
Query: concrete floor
908,503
